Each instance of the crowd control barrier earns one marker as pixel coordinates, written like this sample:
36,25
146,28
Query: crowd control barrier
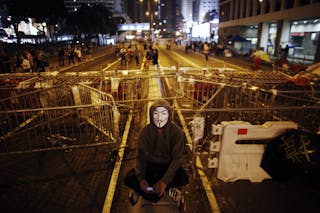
242,146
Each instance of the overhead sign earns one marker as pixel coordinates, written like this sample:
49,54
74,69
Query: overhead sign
133,26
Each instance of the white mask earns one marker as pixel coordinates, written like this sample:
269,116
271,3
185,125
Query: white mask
160,116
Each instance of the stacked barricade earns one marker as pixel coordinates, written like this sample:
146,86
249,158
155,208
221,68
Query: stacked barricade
126,86
72,109
239,117
222,94
235,77
60,117
241,148
16,84
233,100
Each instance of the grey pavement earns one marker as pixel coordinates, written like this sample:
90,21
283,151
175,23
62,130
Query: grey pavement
98,51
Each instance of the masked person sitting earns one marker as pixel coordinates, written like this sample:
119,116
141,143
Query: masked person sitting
158,168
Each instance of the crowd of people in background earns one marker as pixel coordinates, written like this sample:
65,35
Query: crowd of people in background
36,59
133,53
205,47
33,60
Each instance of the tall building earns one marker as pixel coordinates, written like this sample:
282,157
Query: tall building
201,7
195,10
205,6
114,6
164,16
186,12
273,24
117,6
137,9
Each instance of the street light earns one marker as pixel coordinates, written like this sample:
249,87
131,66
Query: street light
150,14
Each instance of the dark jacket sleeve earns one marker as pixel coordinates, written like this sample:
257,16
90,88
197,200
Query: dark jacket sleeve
140,168
178,141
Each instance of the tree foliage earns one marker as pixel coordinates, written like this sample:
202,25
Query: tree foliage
50,11
91,20
88,19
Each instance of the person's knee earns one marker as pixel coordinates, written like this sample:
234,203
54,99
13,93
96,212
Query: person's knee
130,178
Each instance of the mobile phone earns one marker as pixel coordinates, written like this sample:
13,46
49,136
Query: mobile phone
149,189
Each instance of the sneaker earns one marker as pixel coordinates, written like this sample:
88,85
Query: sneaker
182,204
175,194
133,198
178,197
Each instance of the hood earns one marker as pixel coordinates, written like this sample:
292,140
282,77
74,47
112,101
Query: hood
160,103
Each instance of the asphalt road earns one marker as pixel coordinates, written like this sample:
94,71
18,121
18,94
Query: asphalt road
76,181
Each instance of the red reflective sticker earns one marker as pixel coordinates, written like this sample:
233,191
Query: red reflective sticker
242,131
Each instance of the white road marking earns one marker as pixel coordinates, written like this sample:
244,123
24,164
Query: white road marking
115,174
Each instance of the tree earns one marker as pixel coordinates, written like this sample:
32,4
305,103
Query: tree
91,20
49,11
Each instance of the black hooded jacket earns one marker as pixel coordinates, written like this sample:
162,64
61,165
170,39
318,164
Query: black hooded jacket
161,147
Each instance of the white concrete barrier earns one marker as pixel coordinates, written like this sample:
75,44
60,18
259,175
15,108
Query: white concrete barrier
242,161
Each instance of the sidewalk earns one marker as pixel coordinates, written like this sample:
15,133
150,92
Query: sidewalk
243,61
54,65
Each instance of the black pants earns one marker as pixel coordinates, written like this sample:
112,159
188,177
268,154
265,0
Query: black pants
206,56
154,173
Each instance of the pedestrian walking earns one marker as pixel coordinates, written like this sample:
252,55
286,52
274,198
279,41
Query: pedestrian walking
43,61
136,54
123,53
206,50
30,59
18,62
149,58
78,53
89,51
71,55
155,59
130,53
117,51
26,67
61,56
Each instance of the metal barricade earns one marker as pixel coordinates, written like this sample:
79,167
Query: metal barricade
221,94
14,83
61,117
234,77
212,99
130,87
226,100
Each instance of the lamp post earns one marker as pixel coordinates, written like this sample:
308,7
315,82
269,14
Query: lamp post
149,13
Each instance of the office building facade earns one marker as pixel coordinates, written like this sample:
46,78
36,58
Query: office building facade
273,24
164,16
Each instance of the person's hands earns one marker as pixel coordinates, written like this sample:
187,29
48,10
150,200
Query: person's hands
143,185
160,187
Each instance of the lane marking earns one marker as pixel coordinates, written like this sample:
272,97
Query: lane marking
231,65
110,65
115,174
214,59
186,60
204,179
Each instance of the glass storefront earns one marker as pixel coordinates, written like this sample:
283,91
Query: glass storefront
271,38
303,37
